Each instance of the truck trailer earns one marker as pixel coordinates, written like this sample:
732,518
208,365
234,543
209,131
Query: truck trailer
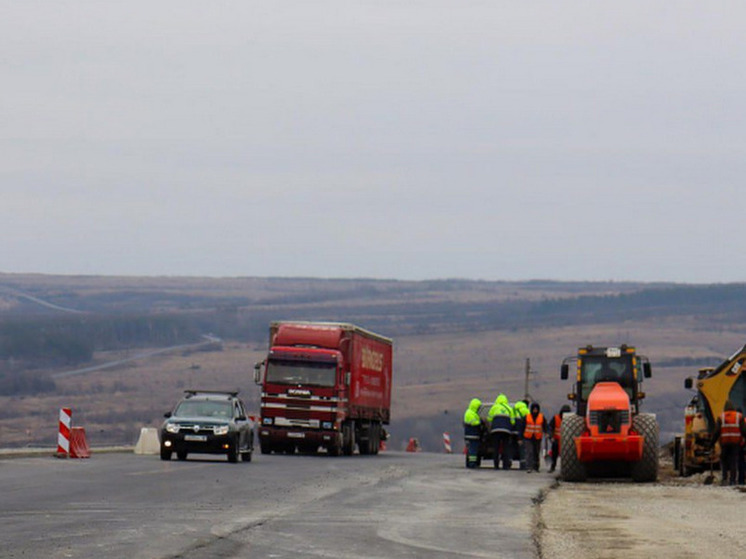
324,385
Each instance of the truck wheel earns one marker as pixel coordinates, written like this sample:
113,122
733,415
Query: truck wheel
334,450
375,438
571,468
646,469
364,442
348,438
265,448
165,454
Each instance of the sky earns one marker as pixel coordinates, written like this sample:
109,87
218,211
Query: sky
391,139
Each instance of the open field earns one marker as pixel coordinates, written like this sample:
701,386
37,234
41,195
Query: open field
453,341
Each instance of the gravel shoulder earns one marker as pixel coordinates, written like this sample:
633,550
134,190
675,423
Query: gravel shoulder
682,518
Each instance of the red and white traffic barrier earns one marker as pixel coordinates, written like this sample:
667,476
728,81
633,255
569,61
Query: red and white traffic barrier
79,444
63,436
447,443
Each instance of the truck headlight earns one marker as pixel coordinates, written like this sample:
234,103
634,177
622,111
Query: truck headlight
326,425
266,421
172,427
221,429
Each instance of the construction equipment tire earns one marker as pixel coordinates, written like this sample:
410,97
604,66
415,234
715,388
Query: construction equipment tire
571,468
646,470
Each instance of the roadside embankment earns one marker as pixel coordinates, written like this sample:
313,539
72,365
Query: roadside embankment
27,452
677,518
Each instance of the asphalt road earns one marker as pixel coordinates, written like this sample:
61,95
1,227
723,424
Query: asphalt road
394,505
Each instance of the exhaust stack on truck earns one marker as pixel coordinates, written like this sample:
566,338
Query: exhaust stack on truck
324,384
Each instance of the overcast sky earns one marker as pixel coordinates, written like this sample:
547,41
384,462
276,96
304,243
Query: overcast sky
390,139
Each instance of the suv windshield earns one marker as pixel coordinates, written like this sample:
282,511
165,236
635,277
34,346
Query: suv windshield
600,369
301,372
203,408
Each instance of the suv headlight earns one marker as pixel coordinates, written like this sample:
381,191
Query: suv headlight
172,427
221,429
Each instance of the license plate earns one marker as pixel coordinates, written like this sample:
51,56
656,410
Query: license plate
195,437
296,435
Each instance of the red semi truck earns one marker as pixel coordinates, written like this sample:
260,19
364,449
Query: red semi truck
324,384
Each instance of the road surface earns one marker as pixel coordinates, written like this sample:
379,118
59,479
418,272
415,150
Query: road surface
394,505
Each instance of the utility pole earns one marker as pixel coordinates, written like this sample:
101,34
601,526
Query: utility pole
528,373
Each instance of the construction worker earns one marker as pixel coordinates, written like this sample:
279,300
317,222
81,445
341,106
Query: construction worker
555,429
520,410
501,426
533,434
472,433
730,431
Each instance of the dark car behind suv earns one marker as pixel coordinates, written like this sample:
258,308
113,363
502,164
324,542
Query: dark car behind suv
208,422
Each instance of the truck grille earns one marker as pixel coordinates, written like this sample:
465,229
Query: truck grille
609,421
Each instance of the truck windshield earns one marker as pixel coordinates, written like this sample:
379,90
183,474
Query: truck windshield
301,372
602,369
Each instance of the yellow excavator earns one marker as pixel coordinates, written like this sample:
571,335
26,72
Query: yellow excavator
694,452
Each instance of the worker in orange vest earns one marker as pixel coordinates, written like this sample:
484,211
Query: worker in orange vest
555,428
532,435
730,431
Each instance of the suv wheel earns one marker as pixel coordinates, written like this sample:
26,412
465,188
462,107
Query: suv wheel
165,454
233,453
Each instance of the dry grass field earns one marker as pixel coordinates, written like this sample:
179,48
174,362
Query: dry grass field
437,370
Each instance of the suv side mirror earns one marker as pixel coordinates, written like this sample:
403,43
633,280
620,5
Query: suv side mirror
258,370
647,370
167,414
564,371
688,383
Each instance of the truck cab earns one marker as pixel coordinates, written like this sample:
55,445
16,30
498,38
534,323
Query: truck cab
301,387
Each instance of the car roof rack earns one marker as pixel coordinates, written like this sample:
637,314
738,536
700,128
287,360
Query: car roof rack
191,392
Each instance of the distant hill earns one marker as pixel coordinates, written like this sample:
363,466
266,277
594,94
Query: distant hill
454,338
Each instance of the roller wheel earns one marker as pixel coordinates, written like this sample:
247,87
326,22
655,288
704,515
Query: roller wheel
646,469
571,468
